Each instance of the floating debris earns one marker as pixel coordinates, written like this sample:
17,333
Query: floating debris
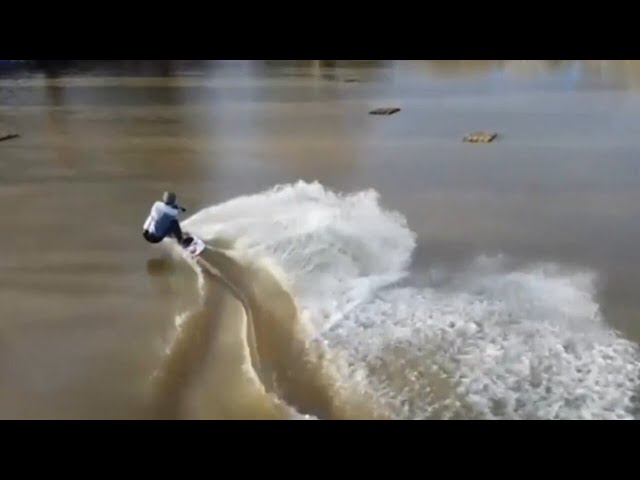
352,80
384,111
480,137
6,135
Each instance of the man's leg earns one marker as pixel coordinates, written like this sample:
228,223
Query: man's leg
175,230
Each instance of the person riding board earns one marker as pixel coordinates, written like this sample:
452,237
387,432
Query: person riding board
163,221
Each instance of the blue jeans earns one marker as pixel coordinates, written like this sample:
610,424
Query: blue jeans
174,231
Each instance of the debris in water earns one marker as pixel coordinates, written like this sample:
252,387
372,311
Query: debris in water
384,111
6,135
480,137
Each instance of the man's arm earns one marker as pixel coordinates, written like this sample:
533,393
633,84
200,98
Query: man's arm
172,210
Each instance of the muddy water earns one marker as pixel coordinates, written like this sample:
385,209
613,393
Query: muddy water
86,318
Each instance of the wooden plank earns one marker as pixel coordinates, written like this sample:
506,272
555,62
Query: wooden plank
480,137
384,111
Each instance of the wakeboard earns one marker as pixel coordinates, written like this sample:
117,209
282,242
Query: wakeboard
192,244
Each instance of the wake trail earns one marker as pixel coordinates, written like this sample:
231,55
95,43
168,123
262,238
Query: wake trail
318,273
214,347
290,368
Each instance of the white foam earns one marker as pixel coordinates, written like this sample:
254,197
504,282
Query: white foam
490,342
335,249
525,344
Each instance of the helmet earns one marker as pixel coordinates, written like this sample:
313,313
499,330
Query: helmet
169,198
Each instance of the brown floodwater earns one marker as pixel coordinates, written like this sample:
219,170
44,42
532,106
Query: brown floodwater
88,309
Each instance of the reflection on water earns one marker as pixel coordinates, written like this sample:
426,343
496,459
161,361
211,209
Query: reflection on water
623,72
158,266
501,75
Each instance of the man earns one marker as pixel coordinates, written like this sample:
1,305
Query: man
163,221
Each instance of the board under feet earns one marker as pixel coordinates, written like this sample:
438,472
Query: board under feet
193,245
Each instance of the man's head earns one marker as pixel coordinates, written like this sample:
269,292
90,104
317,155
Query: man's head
169,198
